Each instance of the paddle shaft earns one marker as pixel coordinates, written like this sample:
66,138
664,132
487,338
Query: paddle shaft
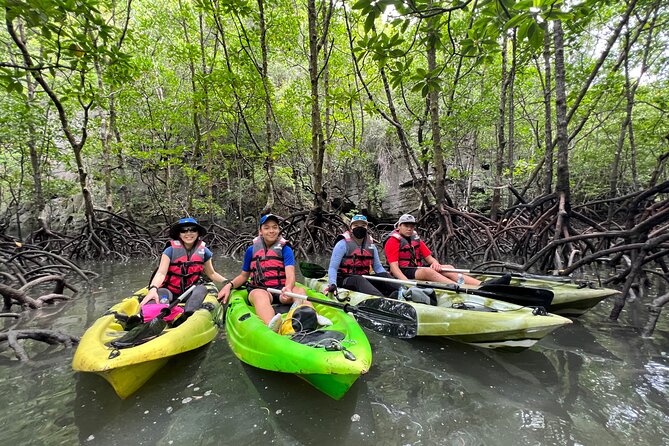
345,307
166,311
517,295
517,275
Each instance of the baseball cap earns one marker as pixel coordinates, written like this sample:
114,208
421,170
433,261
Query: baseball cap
406,218
360,218
266,217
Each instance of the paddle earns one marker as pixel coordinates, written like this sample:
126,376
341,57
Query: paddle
524,296
527,297
517,275
386,316
152,328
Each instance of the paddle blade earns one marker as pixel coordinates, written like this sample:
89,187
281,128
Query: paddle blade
312,270
388,317
140,334
529,297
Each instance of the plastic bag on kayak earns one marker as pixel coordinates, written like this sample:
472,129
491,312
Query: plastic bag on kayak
425,296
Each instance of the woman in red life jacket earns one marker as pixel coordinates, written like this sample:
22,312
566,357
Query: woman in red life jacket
182,264
355,255
406,254
268,263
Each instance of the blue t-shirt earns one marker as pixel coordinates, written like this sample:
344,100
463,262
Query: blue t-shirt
288,258
338,254
207,253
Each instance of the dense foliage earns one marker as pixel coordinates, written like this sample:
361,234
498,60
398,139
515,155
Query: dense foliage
161,108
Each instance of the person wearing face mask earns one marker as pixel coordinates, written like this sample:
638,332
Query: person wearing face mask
355,255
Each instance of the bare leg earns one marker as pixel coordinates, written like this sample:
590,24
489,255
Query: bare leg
262,301
454,276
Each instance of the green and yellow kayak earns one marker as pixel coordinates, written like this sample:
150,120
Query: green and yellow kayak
331,361
127,369
570,299
474,320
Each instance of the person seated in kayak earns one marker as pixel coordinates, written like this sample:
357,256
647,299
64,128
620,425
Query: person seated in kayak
355,255
182,265
268,263
406,254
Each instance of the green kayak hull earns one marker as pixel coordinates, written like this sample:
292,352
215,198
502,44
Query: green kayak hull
569,299
510,327
332,372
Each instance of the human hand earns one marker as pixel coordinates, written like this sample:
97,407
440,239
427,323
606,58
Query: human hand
436,266
224,293
332,288
152,295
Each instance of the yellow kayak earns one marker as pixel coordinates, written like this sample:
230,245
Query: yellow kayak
127,369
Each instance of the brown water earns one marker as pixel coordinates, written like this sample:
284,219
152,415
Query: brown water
591,383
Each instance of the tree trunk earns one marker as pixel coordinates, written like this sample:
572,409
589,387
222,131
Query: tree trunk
501,137
433,97
561,116
269,137
548,131
512,127
317,139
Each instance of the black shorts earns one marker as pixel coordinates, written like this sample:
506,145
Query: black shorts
409,272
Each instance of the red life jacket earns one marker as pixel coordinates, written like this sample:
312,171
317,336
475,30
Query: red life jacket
358,258
267,267
409,255
184,270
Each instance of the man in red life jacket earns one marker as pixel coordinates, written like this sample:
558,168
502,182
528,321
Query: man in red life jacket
182,264
406,254
268,263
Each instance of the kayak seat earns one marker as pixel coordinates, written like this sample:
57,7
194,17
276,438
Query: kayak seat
281,308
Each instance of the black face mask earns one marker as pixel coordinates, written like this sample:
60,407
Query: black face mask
359,232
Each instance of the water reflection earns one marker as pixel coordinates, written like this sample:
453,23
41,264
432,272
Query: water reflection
591,383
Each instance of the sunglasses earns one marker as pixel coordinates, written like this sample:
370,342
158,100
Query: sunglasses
188,229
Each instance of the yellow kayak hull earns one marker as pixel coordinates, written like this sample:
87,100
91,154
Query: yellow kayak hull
127,369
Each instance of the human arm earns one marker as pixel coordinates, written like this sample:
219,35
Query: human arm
157,281
377,266
238,281
434,264
212,274
289,267
338,253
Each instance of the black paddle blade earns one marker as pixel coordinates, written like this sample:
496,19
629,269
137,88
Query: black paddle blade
528,297
312,270
388,317
140,334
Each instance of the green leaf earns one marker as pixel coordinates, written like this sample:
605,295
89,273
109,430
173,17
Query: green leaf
369,21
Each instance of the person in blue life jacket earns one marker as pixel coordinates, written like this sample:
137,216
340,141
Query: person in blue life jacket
183,264
268,263
355,255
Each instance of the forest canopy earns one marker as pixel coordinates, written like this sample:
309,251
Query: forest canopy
156,109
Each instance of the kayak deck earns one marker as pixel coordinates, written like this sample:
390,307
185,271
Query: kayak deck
473,319
332,366
127,369
570,299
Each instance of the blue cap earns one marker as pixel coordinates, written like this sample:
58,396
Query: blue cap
358,217
266,217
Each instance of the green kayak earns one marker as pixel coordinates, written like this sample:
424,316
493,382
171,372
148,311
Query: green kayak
471,319
331,358
570,299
